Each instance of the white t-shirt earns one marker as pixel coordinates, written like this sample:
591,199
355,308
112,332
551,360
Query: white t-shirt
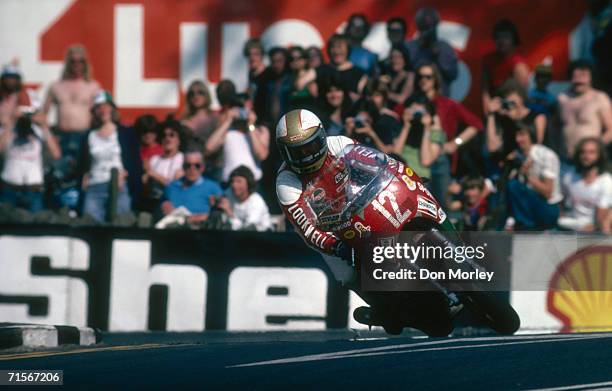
546,165
167,166
584,198
23,161
105,155
251,212
237,151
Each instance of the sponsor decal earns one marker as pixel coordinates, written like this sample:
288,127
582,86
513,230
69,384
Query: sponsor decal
350,234
310,232
441,215
424,189
579,294
409,183
341,226
341,176
362,228
400,168
427,207
409,171
329,219
296,137
318,195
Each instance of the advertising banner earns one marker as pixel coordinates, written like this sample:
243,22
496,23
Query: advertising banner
147,52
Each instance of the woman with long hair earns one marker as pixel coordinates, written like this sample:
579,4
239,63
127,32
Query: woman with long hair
198,116
107,148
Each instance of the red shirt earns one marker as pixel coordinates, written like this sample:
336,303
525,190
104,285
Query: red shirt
454,117
500,67
147,152
453,114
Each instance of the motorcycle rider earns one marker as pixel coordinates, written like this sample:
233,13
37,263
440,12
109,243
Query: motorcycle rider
309,154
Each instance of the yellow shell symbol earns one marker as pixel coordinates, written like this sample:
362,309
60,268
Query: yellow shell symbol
580,291
409,171
350,234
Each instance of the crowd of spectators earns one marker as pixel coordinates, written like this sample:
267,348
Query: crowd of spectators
533,160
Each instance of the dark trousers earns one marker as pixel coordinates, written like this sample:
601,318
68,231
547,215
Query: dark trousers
530,210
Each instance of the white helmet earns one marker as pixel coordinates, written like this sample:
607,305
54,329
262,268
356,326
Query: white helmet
301,140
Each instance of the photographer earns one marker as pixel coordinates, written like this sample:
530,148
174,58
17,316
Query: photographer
533,191
504,111
421,139
242,142
375,125
22,175
242,205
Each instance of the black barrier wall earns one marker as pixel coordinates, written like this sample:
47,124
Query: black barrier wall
124,279
114,252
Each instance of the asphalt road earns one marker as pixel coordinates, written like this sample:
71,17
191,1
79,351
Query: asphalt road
328,361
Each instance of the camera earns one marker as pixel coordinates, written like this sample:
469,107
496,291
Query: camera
507,104
23,126
417,114
360,121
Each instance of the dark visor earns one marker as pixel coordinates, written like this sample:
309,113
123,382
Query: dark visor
306,152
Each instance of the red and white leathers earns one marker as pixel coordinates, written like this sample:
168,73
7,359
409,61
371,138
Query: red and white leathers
290,190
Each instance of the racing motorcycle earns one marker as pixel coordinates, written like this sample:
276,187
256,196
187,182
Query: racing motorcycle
368,198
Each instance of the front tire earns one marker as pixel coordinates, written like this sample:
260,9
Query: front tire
497,313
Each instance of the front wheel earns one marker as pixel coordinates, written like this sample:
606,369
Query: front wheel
497,313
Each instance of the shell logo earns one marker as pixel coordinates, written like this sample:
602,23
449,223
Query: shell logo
580,291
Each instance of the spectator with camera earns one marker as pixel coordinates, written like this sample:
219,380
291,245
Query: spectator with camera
584,111
504,63
23,172
504,112
192,191
533,189
357,29
375,124
240,139
428,48
242,205
108,151
588,190
421,138
13,97
459,125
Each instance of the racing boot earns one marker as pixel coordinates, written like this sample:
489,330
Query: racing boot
370,317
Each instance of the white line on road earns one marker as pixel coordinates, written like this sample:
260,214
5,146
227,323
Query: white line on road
586,386
392,349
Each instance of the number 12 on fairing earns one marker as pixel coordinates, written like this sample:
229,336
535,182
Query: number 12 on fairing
399,217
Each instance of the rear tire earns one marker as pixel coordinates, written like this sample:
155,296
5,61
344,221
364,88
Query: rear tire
498,314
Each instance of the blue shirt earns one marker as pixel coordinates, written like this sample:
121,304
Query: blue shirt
194,197
363,59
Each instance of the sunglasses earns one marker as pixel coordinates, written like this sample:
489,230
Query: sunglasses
187,166
426,77
196,92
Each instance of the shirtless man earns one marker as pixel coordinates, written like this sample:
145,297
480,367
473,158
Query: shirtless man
73,97
584,111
